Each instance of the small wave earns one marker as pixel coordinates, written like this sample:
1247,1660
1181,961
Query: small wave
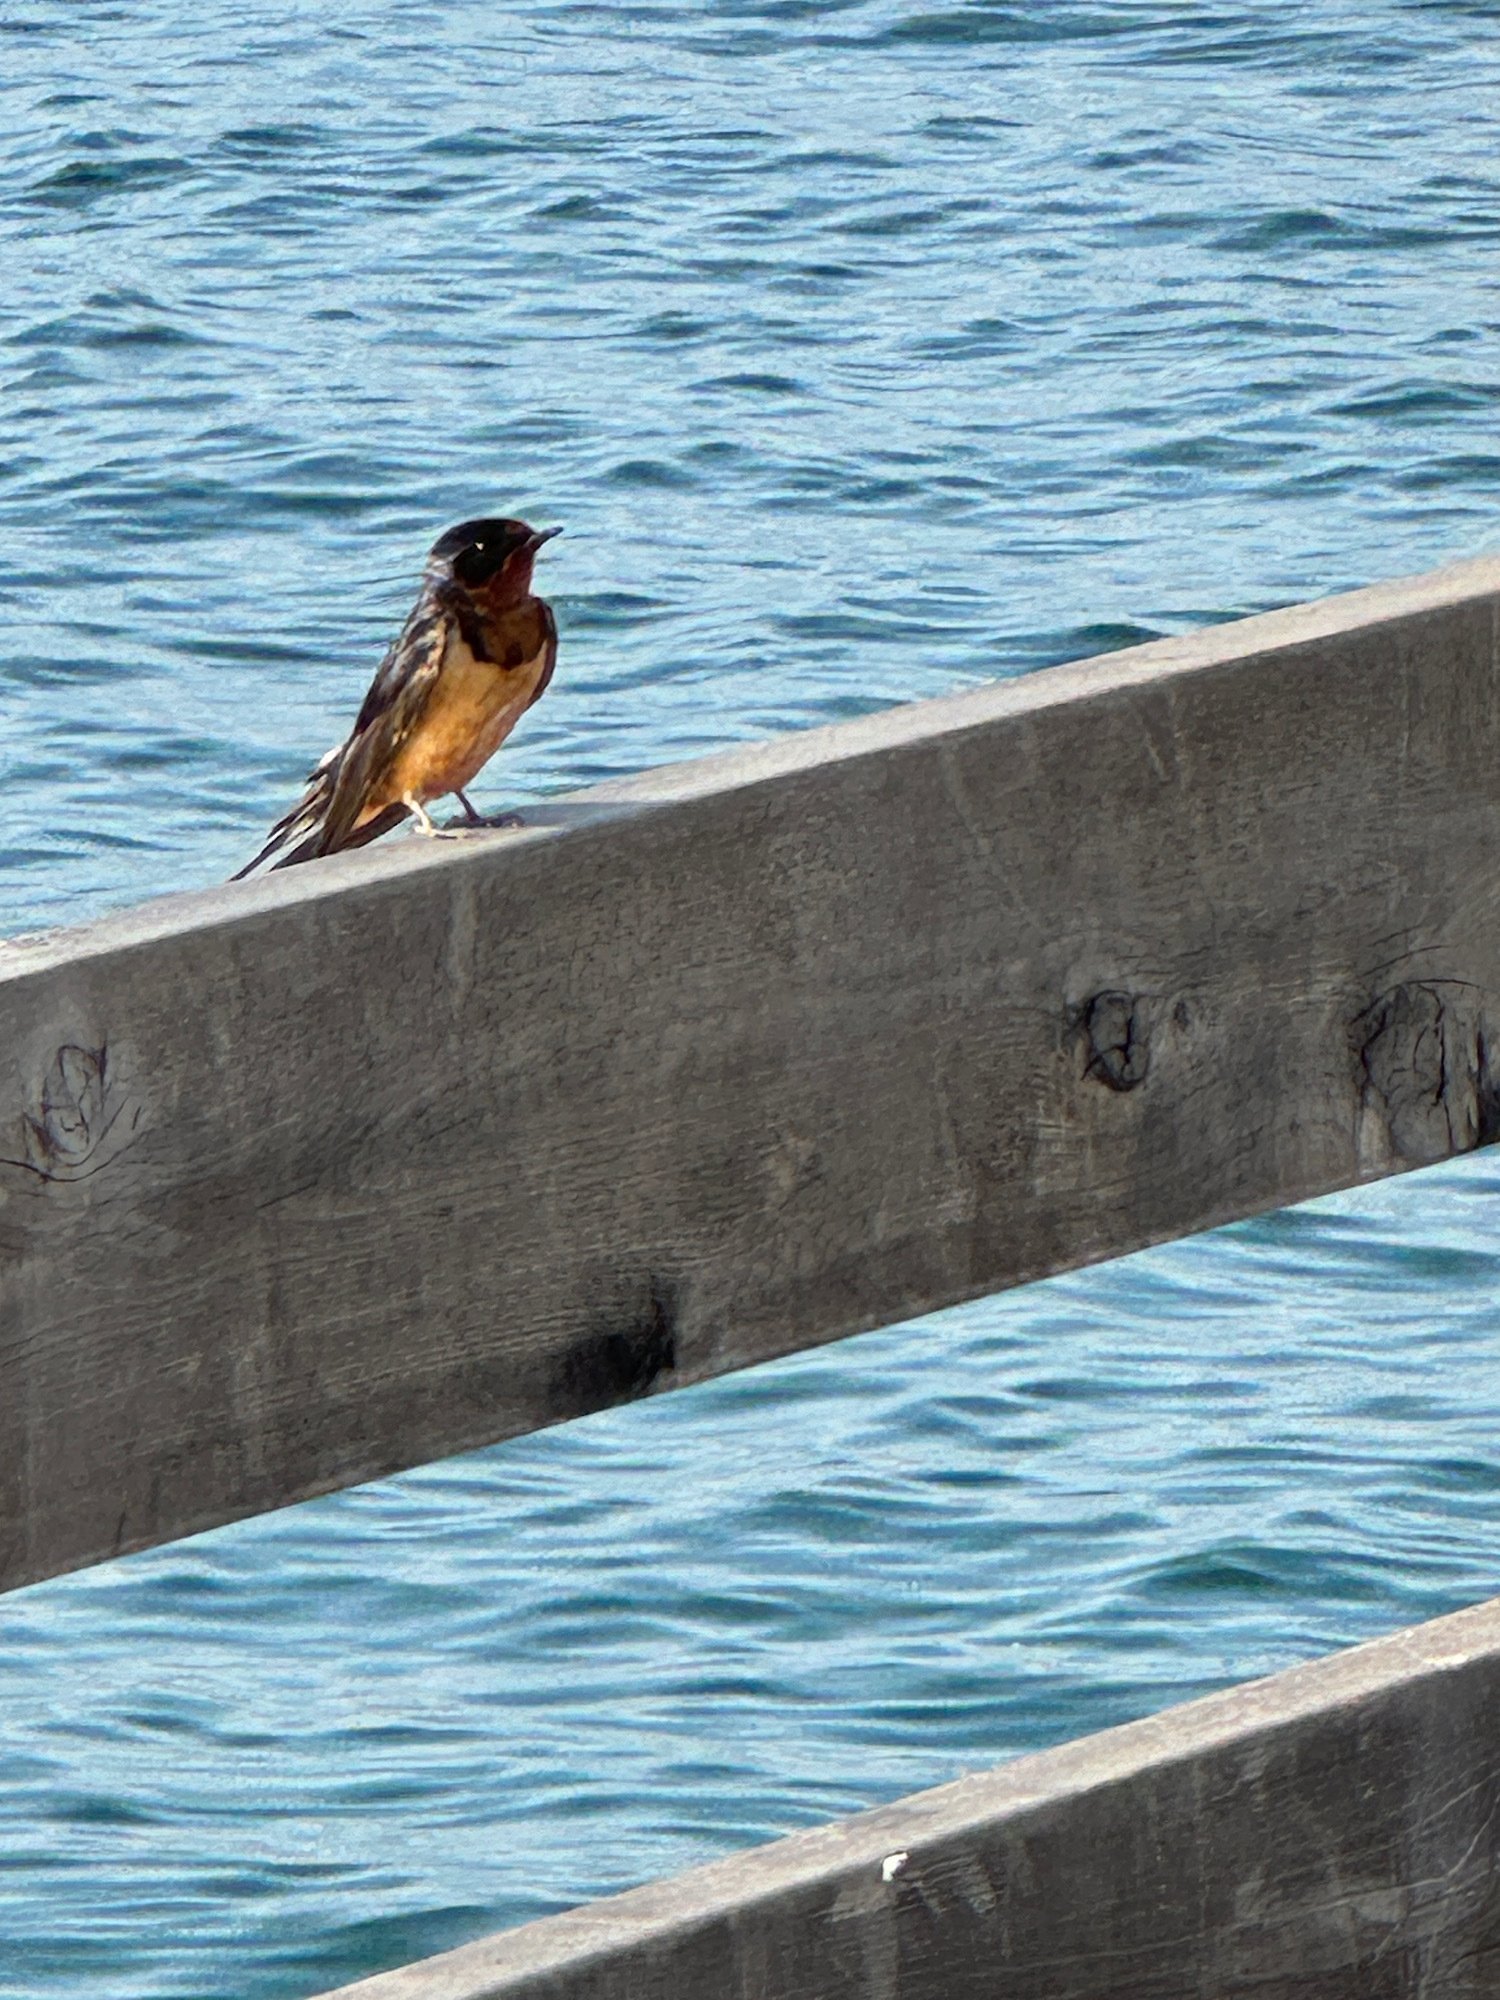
1209,450
980,24
1180,152
258,142
654,473
1304,228
978,337
1453,474
483,142
673,326
1109,637
897,221
1419,399
81,183
976,129
582,208
612,610
754,383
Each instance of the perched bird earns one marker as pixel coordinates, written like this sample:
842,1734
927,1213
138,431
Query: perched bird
476,651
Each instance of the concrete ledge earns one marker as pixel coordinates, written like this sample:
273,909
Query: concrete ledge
1333,1832
315,1177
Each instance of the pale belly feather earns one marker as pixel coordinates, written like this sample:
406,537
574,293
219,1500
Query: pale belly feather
470,712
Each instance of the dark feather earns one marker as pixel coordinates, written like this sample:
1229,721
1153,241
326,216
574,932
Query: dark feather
549,625
323,819
311,848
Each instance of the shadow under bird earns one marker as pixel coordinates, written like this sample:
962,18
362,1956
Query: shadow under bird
475,652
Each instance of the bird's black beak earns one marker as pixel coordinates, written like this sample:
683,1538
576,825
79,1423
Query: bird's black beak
542,535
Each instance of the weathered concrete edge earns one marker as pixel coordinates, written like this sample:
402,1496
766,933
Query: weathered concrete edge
539,1957
1159,660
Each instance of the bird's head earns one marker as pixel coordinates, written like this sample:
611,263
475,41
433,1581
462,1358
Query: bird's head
490,558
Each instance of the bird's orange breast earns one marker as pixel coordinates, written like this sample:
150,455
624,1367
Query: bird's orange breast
473,707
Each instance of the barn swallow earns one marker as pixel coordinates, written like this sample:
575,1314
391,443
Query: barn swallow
475,652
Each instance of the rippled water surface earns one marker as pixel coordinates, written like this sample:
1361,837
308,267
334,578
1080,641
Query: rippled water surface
866,350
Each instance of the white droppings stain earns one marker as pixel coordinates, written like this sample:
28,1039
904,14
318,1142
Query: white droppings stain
892,1865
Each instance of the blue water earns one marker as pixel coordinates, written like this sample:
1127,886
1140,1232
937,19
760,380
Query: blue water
866,350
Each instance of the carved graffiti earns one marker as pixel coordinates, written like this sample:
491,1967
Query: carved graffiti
80,1120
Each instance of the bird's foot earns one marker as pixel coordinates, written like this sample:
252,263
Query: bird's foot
453,831
480,823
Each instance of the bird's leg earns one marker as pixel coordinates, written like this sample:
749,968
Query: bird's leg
479,820
456,829
423,818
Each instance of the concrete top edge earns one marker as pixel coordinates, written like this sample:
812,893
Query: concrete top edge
860,1846
1160,660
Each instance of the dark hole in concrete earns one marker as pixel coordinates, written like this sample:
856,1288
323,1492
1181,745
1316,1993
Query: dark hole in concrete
619,1363
1114,1028
1488,1108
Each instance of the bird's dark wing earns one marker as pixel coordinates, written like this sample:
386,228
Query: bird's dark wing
305,815
549,626
437,610
391,710
324,819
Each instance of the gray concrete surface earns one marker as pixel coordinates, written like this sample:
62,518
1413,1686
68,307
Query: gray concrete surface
309,1178
1332,1834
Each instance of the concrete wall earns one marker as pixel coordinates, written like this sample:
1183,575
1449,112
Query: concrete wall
1332,1834
306,1179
